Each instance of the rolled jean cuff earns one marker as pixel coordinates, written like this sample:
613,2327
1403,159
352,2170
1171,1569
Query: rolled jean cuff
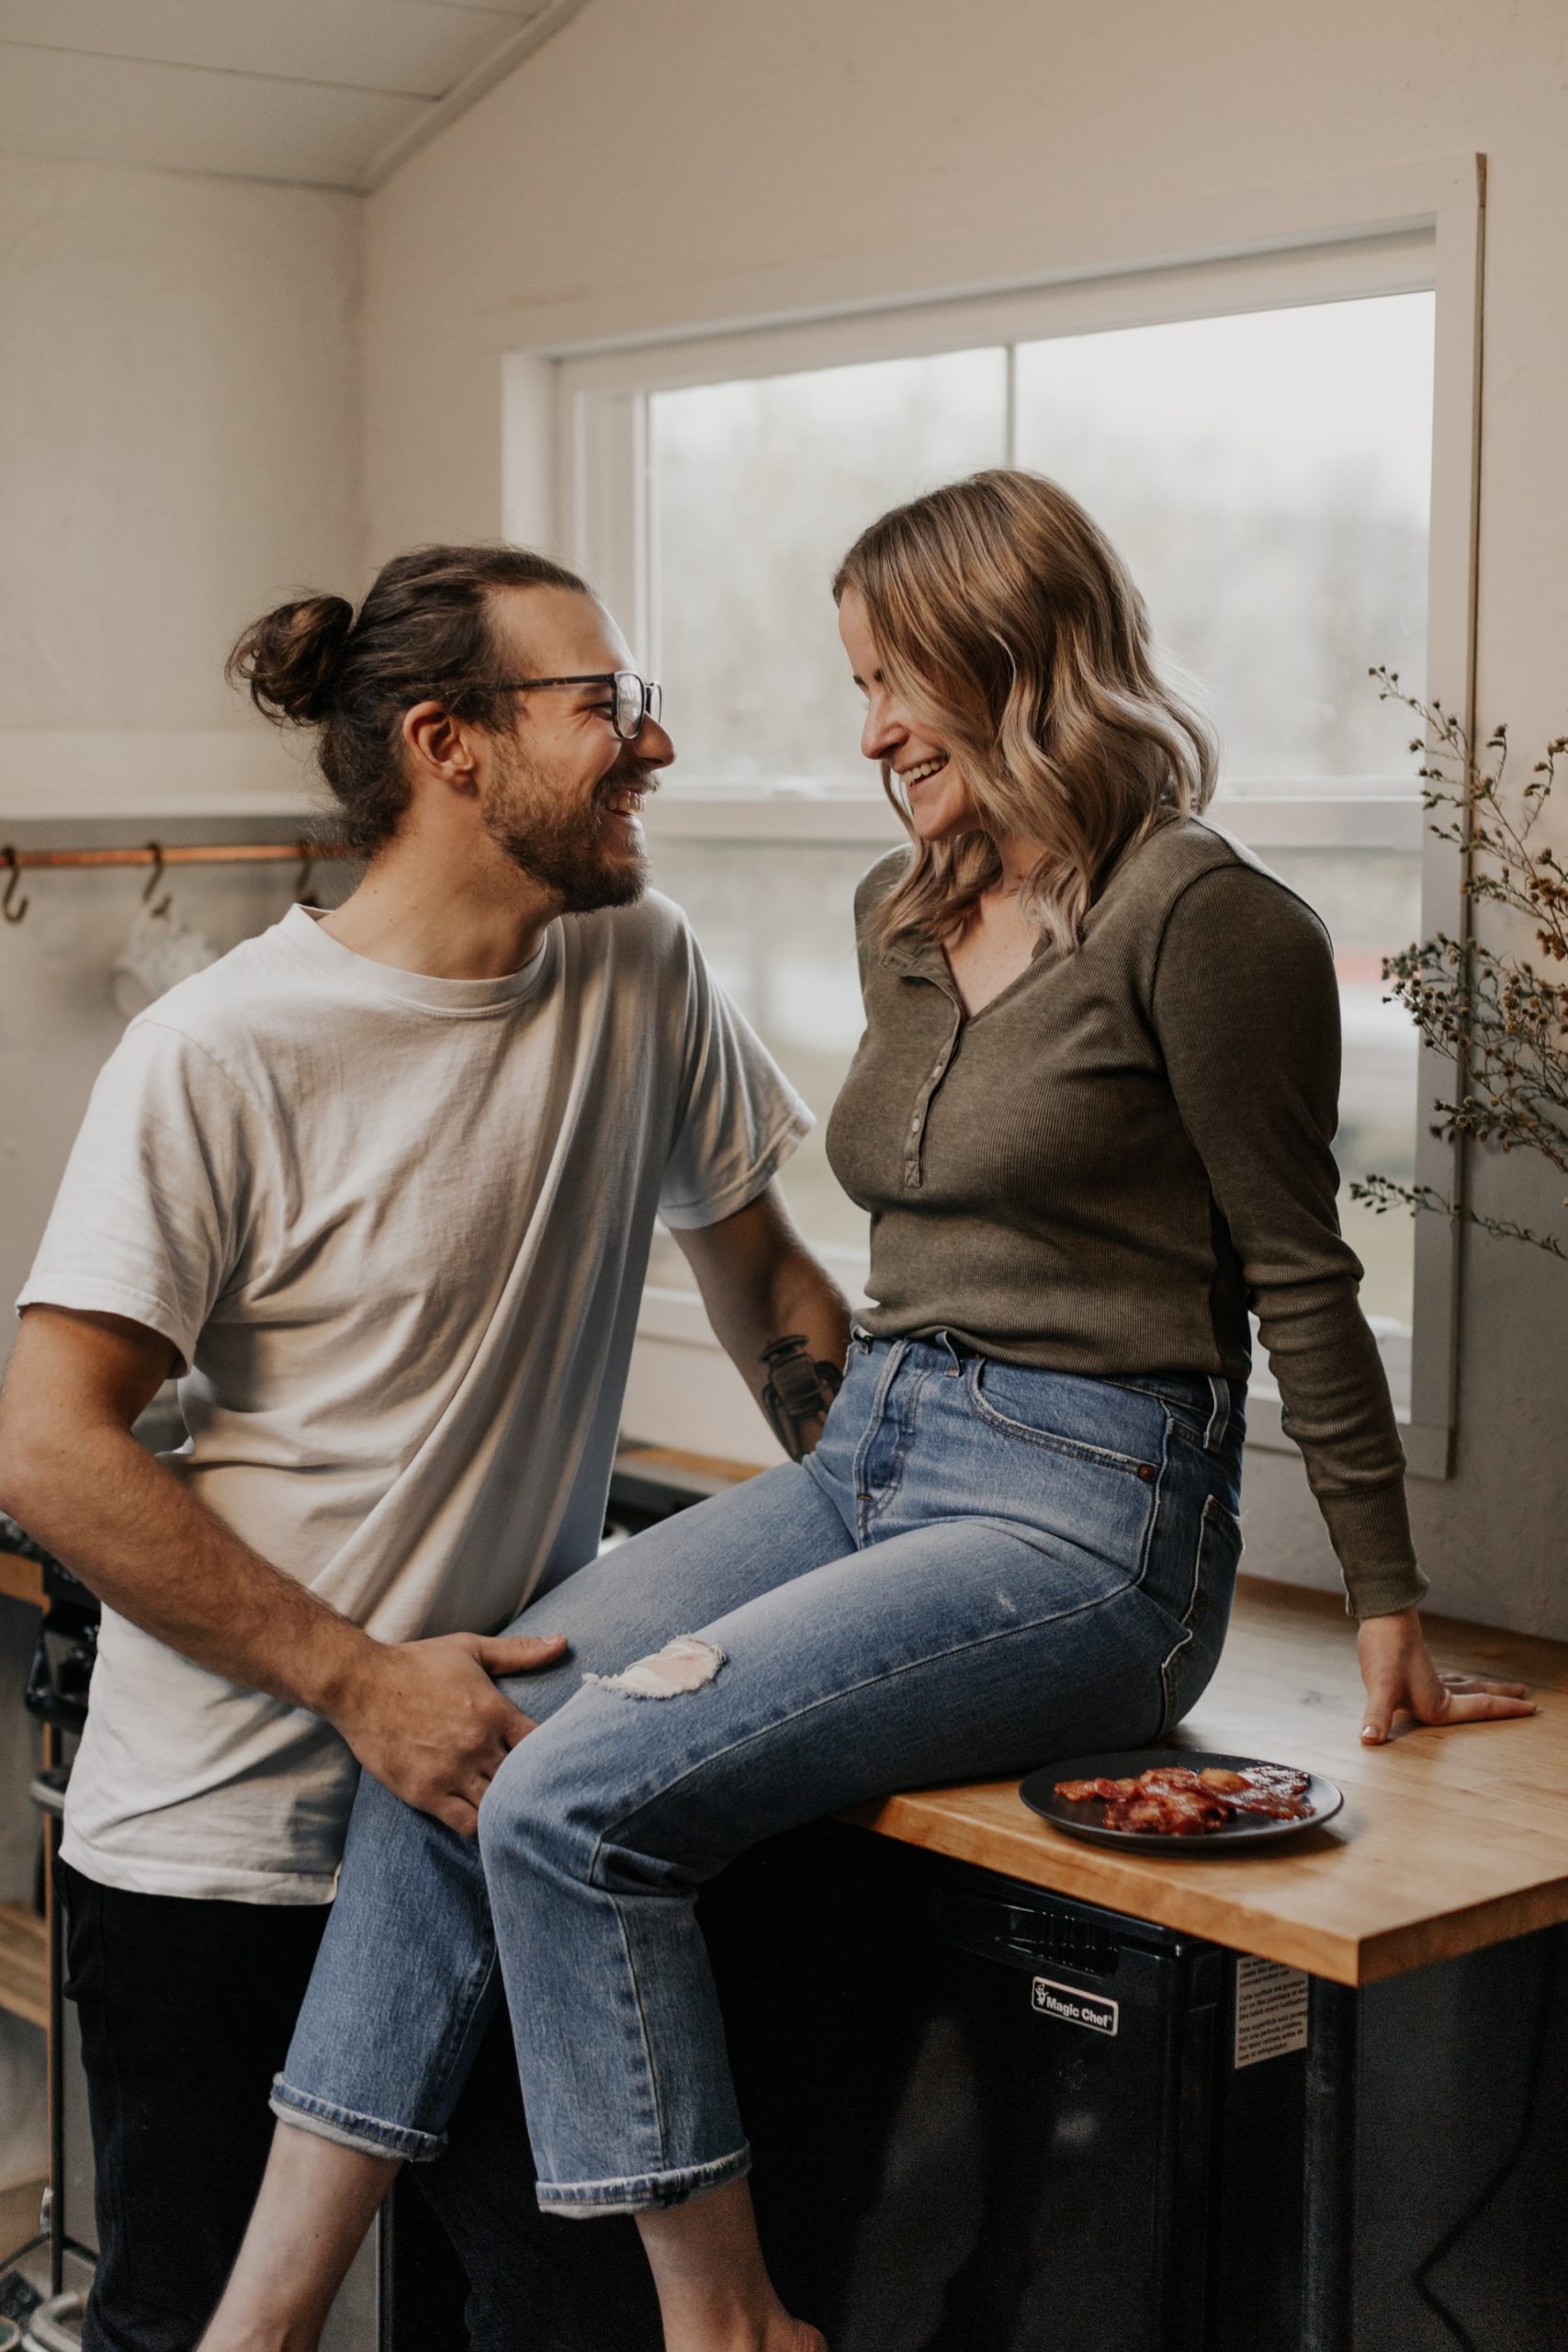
366,2132
647,2192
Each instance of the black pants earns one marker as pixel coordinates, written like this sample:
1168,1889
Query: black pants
186,2009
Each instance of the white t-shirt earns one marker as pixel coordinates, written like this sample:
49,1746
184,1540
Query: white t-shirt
397,1229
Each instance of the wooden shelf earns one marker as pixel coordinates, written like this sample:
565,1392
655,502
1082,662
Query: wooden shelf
21,1580
24,1963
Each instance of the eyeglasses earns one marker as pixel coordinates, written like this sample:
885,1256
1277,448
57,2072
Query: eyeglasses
633,700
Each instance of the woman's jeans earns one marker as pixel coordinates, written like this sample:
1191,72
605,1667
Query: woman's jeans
981,1567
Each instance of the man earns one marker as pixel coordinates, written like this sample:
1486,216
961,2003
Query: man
378,1187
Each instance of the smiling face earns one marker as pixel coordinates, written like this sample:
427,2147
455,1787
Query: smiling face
563,794
933,789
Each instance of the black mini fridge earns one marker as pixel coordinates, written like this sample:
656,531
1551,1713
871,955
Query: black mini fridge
986,2119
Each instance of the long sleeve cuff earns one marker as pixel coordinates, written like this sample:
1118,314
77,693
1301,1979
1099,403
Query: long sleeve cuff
1370,1533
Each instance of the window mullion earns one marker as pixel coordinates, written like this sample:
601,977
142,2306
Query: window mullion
650,633
608,522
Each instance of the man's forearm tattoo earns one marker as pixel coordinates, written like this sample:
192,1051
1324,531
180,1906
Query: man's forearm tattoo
800,1389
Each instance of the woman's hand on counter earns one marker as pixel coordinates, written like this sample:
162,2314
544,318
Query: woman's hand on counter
1402,1680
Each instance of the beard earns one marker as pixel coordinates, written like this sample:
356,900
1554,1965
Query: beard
574,848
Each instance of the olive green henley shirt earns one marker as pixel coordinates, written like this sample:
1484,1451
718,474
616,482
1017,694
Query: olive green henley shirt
1103,1169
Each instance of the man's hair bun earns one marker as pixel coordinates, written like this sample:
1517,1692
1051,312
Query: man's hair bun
423,634
290,659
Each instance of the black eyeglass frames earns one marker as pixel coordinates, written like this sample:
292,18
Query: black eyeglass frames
633,700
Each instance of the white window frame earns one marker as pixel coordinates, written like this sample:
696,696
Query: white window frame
576,389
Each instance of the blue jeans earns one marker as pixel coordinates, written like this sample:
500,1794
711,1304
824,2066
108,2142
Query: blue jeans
980,1567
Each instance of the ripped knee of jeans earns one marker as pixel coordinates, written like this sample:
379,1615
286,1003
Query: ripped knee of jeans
682,1664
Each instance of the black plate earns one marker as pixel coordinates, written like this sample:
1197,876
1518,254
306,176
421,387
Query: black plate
1083,1819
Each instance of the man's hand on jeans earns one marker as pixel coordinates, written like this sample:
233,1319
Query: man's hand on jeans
427,1720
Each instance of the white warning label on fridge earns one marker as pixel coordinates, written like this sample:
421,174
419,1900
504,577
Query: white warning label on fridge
1270,2010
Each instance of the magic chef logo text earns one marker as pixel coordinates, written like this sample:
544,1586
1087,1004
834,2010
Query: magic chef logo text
1069,2006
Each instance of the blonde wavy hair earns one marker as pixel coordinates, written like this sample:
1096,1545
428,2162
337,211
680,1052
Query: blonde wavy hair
1009,625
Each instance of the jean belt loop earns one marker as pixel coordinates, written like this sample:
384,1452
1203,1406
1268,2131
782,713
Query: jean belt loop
896,1352
1220,1412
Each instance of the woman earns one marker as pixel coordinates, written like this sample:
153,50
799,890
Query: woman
1090,1119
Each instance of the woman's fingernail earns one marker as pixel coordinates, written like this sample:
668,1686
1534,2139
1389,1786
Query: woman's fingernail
1369,1734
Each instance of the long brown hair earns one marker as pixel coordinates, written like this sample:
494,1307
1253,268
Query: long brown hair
423,634
1009,624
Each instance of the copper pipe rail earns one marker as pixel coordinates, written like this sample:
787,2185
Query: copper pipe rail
17,861
303,854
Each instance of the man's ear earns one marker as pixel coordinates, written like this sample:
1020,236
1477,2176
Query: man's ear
438,746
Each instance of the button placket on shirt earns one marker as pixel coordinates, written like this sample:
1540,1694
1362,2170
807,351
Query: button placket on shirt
916,1134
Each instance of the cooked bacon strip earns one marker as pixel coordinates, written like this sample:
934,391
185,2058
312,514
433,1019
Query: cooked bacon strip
1283,1777
1275,1805
1175,1813
1176,1802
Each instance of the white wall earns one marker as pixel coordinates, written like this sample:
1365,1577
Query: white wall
673,152
178,447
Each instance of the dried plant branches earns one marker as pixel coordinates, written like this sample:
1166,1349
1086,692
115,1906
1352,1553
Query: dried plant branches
1500,1020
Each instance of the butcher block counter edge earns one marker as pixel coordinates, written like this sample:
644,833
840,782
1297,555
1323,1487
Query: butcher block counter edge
1450,1840
1013,1841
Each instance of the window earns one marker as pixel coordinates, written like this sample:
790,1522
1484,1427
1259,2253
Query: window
1261,453
758,489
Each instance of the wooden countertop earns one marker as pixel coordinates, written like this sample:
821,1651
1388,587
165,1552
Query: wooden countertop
1450,1840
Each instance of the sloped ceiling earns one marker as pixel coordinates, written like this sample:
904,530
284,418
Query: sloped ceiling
319,93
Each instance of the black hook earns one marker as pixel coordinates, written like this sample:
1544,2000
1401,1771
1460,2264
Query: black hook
150,894
13,913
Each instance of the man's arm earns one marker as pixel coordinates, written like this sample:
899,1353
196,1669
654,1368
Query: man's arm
423,1716
783,1320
